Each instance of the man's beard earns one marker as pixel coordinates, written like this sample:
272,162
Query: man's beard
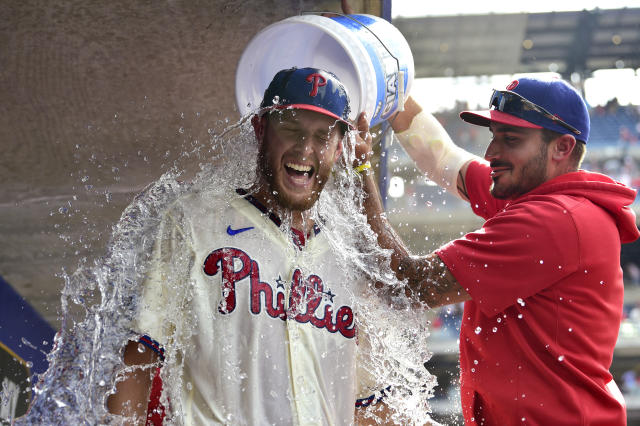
533,174
267,176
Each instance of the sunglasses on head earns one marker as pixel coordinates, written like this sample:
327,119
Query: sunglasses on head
512,103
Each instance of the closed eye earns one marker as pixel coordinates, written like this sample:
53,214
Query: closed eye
510,140
322,137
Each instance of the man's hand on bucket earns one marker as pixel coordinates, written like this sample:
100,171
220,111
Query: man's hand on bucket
363,141
346,10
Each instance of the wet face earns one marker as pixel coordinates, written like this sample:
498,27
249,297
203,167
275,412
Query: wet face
518,157
297,153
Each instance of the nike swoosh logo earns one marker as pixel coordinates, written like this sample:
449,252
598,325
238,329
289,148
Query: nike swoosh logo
232,231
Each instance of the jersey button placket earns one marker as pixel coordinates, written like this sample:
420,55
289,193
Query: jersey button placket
297,380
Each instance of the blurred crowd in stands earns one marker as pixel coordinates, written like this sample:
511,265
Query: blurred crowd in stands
613,148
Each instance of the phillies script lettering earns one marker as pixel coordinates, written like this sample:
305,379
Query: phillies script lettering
306,295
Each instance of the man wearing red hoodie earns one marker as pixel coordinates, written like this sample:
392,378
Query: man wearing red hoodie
541,279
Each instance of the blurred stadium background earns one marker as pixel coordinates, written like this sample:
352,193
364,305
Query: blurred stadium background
459,59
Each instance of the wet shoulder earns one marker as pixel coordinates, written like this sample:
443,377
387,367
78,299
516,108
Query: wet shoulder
551,212
550,202
198,204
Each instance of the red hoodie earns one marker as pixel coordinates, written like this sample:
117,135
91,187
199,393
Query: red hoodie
544,275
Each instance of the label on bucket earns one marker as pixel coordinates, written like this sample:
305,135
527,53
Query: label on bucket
386,66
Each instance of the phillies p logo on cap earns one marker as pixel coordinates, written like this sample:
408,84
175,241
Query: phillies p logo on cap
308,88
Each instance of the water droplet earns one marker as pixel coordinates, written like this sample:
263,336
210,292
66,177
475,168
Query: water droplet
475,361
519,316
101,383
561,358
570,329
141,348
495,329
520,301
541,261
478,330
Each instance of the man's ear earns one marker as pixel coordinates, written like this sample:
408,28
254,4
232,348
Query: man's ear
338,152
259,126
562,147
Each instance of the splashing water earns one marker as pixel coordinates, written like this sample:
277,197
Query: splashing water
99,301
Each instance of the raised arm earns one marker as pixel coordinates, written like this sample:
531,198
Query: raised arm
431,148
428,277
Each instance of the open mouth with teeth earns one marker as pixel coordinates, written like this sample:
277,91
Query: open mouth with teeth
299,174
299,169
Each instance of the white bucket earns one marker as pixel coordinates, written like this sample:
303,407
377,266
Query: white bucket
368,54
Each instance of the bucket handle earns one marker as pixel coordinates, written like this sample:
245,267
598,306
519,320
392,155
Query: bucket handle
400,73
363,25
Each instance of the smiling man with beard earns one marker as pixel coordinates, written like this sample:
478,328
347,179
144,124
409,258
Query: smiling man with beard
541,280
245,306
296,172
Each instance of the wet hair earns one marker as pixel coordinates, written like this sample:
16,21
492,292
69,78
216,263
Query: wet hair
579,150
342,126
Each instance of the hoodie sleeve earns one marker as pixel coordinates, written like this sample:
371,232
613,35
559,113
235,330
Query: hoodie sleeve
519,252
478,184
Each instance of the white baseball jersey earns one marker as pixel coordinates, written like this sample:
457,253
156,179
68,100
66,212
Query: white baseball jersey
262,332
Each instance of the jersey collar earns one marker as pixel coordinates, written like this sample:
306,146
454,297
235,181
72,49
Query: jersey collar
298,236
